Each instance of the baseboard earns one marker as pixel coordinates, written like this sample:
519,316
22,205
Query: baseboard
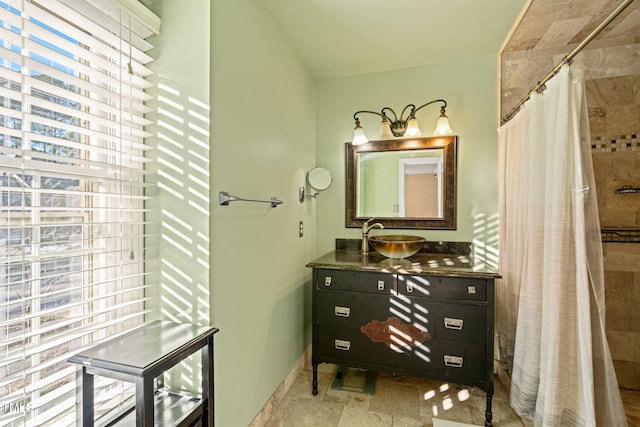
276,398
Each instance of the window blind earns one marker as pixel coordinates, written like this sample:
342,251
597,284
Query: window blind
72,196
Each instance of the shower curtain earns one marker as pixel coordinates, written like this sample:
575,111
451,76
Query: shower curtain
550,310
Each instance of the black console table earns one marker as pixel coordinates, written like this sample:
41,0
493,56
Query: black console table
139,357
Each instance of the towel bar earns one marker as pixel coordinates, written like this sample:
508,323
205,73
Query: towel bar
225,198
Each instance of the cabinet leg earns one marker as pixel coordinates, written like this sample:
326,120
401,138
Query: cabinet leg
488,416
314,383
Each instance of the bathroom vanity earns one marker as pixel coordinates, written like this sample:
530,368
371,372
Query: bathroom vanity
431,315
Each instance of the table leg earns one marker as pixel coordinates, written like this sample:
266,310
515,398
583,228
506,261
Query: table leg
144,402
84,394
207,382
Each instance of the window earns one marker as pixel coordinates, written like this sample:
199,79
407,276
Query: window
72,183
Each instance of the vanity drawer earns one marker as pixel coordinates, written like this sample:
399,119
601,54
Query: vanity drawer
448,358
463,288
456,322
459,322
425,358
351,345
334,279
350,281
351,309
464,361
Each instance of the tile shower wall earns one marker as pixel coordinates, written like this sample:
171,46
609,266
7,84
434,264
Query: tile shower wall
614,119
622,294
611,64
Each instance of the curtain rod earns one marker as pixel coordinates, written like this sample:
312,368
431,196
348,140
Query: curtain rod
568,58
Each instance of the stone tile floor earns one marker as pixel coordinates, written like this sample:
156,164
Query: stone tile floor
401,402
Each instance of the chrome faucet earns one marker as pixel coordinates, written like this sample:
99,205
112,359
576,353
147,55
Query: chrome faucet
365,234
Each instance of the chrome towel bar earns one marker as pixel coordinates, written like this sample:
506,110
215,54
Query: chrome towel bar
225,198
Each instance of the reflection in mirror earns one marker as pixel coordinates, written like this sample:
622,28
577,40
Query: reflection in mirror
409,183
400,184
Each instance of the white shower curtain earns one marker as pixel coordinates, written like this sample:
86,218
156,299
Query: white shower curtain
551,298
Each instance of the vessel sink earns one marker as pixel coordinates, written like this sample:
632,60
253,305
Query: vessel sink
397,246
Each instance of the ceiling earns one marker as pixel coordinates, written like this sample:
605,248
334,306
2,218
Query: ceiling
337,38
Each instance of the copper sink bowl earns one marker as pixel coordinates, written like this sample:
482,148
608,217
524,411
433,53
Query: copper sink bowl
397,246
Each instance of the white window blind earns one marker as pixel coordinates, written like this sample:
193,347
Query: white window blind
72,181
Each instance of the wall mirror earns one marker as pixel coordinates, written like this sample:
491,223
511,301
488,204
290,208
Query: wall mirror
319,179
408,183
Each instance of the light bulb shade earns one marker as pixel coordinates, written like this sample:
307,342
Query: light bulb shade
412,127
442,125
385,129
359,137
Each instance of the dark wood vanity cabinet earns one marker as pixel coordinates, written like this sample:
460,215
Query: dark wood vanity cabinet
423,325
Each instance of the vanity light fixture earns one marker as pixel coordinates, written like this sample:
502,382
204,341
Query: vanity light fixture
401,126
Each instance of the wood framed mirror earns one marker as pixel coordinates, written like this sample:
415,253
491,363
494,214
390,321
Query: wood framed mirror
403,183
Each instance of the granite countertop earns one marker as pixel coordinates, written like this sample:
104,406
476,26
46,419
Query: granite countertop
420,263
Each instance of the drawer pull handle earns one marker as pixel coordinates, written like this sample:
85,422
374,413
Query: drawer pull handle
454,361
381,285
342,311
343,345
453,323
409,287
471,289
327,281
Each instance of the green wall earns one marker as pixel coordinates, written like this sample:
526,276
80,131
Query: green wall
245,125
177,230
470,88
263,142
178,222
